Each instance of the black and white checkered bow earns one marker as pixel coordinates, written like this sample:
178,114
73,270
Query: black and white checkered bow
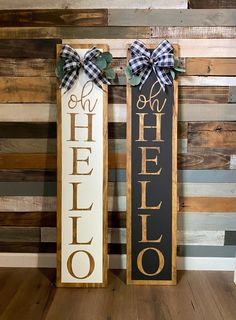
73,63
143,61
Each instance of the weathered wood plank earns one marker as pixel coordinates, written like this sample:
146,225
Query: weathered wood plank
20,234
232,94
90,4
75,32
27,161
230,238
193,32
59,17
28,145
222,48
27,204
196,176
36,130
207,81
206,251
30,247
28,219
185,18
11,67
189,189
213,136
31,188
207,221
201,161
207,204
212,4
14,175
210,67
43,48
16,89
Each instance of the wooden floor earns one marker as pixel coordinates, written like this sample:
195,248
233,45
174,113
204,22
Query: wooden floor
29,294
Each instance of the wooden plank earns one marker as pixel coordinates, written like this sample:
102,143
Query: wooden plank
59,17
210,66
188,189
28,145
213,136
74,32
14,175
16,89
27,161
171,17
87,4
232,95
15,67
206,251
207,81
43,49
223,48
30,247
203,176
31,188
207,221
27,204
23,130
193,32
212,4
230,238
207,204
20,234
203,161
28,219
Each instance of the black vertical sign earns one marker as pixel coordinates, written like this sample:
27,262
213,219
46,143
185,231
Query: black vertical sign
151,183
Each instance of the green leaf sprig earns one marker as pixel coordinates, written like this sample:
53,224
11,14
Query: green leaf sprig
178,68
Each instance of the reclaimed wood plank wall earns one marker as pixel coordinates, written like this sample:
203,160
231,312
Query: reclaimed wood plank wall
207,115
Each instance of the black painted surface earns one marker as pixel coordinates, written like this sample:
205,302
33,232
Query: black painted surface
159,189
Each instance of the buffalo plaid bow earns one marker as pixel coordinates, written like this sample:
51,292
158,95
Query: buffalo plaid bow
143,61
73,63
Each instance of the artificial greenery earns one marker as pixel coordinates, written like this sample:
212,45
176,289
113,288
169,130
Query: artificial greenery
103,62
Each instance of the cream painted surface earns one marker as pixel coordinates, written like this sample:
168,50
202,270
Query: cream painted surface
90,225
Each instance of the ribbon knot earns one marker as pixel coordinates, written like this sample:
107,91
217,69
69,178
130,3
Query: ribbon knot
73,63
143,61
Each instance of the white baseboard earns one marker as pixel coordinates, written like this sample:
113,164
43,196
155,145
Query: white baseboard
48,260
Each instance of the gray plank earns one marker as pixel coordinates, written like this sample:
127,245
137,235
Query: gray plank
28,188
117,175
172,17
230,238
206,251
19,234
207,221
232,94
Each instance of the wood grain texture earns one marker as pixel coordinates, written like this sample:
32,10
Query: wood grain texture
28,219
28,145
210,67
185,18
60,17
24,130
199,161
27,204
43,49
14,175
212,4
90,4
212,136
207,204
28,247
27,161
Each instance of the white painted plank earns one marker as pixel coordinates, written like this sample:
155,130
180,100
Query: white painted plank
207,189
232,162
116,261
188,47
206,81
118,235
91,4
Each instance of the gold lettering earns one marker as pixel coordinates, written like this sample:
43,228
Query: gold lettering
144,197
74,232
73,126
144,218
140,261
157,126
70,262
76,160
145,160
75,198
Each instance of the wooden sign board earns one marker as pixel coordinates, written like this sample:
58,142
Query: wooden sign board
151,183
82,161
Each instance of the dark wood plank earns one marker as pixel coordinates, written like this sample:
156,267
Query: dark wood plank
212,4
59,17
212,136
230,238
43,48
201,161
207,204
24,130
28,219
30,247
27,161
14,175
15,67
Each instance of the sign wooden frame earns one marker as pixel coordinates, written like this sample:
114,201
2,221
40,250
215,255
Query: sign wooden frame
130,279
103,259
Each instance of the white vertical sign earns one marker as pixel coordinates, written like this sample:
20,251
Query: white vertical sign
82,183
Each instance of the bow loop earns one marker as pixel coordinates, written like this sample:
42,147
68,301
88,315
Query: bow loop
73,64
143,61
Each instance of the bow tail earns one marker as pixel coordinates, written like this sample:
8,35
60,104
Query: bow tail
163,77
69,79
144,75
